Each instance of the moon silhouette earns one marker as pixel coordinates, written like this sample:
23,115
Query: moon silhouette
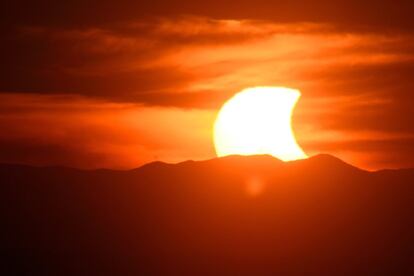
258,121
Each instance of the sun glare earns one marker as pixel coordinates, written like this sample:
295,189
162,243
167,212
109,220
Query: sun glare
258,121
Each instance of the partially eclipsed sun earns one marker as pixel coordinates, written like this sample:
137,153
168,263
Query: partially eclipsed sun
258,121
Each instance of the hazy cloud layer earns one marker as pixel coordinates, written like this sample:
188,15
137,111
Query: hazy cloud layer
355,74
79,132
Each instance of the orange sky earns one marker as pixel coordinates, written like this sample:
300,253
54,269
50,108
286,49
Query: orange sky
127,92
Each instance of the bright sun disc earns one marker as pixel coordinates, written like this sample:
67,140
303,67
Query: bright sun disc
258,121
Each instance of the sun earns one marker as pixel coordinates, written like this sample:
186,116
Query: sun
258,121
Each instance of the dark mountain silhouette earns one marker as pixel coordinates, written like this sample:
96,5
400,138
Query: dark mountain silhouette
229,216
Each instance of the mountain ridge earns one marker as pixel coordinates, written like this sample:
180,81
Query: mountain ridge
322,158
236,215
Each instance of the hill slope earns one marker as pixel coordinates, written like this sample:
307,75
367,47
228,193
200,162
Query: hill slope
230,216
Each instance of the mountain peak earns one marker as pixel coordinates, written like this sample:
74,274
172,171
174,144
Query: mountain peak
324,157
325,162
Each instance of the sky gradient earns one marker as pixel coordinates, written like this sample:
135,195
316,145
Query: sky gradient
117,85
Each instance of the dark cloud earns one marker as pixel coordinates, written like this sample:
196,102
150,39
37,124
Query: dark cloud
117,62
29,151
374,14
132,61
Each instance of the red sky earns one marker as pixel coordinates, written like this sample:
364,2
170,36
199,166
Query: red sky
116,85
